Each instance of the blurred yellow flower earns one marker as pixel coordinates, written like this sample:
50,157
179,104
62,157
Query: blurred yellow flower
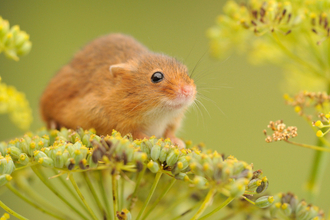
15,104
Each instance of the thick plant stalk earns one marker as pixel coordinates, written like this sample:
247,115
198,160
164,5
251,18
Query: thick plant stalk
317,173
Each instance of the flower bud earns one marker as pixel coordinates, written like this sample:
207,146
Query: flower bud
5,178
14,152
23,159
264,185
286,208
200,182
155,152
264,201
153,166
90,161
46,161
163,153
172,157
253,184
181,176
39,154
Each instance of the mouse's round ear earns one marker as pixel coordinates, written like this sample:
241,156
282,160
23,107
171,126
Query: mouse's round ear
120,68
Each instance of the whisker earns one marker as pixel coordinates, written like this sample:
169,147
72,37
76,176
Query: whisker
203,107
212,101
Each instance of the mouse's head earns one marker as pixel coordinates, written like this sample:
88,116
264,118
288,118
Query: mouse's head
157,80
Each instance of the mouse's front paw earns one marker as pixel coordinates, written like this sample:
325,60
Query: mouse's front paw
178,142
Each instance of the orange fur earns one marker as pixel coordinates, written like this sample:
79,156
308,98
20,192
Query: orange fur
86,93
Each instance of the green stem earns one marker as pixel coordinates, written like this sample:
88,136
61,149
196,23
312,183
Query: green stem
105,193
137,185
94,194
52,188
114,195
12,212
66,185
35,205
317,171
224,204
75,186
24,186
122,199
186,212
309,146
205,203
316,174
169,186
151,192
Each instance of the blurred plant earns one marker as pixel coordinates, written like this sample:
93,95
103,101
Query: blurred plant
13,41
295,36
15,104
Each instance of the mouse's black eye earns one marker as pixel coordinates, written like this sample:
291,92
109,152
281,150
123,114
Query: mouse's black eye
157,77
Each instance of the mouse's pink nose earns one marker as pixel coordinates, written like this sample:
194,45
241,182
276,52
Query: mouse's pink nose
187,90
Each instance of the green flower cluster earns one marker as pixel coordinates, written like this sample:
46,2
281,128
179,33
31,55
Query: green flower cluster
15,103
70,151
287,205
13,41
275,30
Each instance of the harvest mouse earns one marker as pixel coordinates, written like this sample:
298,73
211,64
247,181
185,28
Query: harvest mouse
115,82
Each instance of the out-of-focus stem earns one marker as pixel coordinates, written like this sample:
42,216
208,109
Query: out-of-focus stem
114,194
66,185
52,188
151,192
75,186
205,204
35,205
295,57
104,186
186,212
224,204
12,212
24,186
137,185
316,174
169,186
309,146
94,194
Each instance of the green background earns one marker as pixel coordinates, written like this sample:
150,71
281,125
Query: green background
248,96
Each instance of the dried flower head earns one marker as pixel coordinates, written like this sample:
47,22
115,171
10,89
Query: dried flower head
280,131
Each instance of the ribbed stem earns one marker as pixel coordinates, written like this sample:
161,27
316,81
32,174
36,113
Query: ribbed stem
164,192
137,185
94,194
52,188
224,204
205,204
66,185
104,186
12,212
114,195
35,205
151,192
75,186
